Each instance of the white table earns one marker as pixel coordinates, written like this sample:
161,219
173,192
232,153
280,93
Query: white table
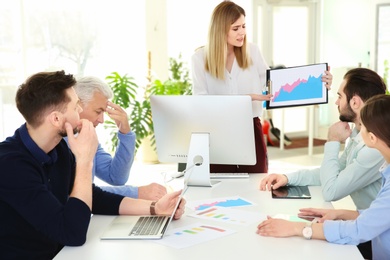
244,244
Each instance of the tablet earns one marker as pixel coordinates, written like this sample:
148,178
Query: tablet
297,86
291,192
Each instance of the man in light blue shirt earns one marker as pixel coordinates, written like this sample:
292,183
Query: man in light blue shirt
356,171
351,226
94,95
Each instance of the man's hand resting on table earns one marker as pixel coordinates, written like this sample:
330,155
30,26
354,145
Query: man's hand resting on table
273,180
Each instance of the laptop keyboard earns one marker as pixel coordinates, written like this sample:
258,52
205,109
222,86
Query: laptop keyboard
149,225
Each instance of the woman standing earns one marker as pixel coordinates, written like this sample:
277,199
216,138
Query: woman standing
228,65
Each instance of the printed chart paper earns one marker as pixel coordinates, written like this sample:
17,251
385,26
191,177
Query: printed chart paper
226,202
230,216
193,234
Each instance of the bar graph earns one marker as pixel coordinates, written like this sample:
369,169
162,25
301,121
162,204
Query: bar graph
230,216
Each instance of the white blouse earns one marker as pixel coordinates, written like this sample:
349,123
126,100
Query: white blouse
239,82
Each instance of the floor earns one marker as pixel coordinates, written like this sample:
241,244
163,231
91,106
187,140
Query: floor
281,161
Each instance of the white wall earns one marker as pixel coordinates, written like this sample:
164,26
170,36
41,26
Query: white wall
346,27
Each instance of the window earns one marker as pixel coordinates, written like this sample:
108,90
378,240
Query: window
383,40
81,37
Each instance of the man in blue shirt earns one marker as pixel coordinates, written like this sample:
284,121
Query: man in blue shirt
46,198
94,95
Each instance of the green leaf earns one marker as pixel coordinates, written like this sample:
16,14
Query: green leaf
135,99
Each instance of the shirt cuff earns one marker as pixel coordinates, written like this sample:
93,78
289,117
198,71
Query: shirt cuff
331,230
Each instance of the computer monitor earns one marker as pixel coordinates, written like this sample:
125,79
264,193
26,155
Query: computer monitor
203,129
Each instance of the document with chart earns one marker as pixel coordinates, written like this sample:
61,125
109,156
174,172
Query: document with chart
227,202
193,234
297,86
230,216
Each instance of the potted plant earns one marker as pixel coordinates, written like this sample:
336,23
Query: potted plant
127,94
178,82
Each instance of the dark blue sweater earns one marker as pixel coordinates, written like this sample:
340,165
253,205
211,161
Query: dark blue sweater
37,216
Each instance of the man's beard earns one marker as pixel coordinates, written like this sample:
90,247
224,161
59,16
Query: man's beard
348,115
63,132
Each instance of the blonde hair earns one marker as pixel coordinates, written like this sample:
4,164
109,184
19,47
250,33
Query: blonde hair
224,15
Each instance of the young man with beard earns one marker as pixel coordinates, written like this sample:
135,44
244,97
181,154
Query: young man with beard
356,171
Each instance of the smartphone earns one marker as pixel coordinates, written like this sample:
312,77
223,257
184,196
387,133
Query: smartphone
291,192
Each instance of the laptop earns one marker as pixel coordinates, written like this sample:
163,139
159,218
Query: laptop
126,227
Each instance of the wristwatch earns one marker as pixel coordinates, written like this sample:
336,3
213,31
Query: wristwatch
153,208
307,231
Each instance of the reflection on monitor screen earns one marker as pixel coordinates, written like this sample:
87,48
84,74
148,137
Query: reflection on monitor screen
219,129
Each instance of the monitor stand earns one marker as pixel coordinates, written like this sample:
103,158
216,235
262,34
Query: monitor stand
197,172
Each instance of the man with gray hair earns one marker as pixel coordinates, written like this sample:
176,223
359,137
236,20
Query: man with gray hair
94,95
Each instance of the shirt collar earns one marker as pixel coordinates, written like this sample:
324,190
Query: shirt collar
355,135
385,171
39,155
